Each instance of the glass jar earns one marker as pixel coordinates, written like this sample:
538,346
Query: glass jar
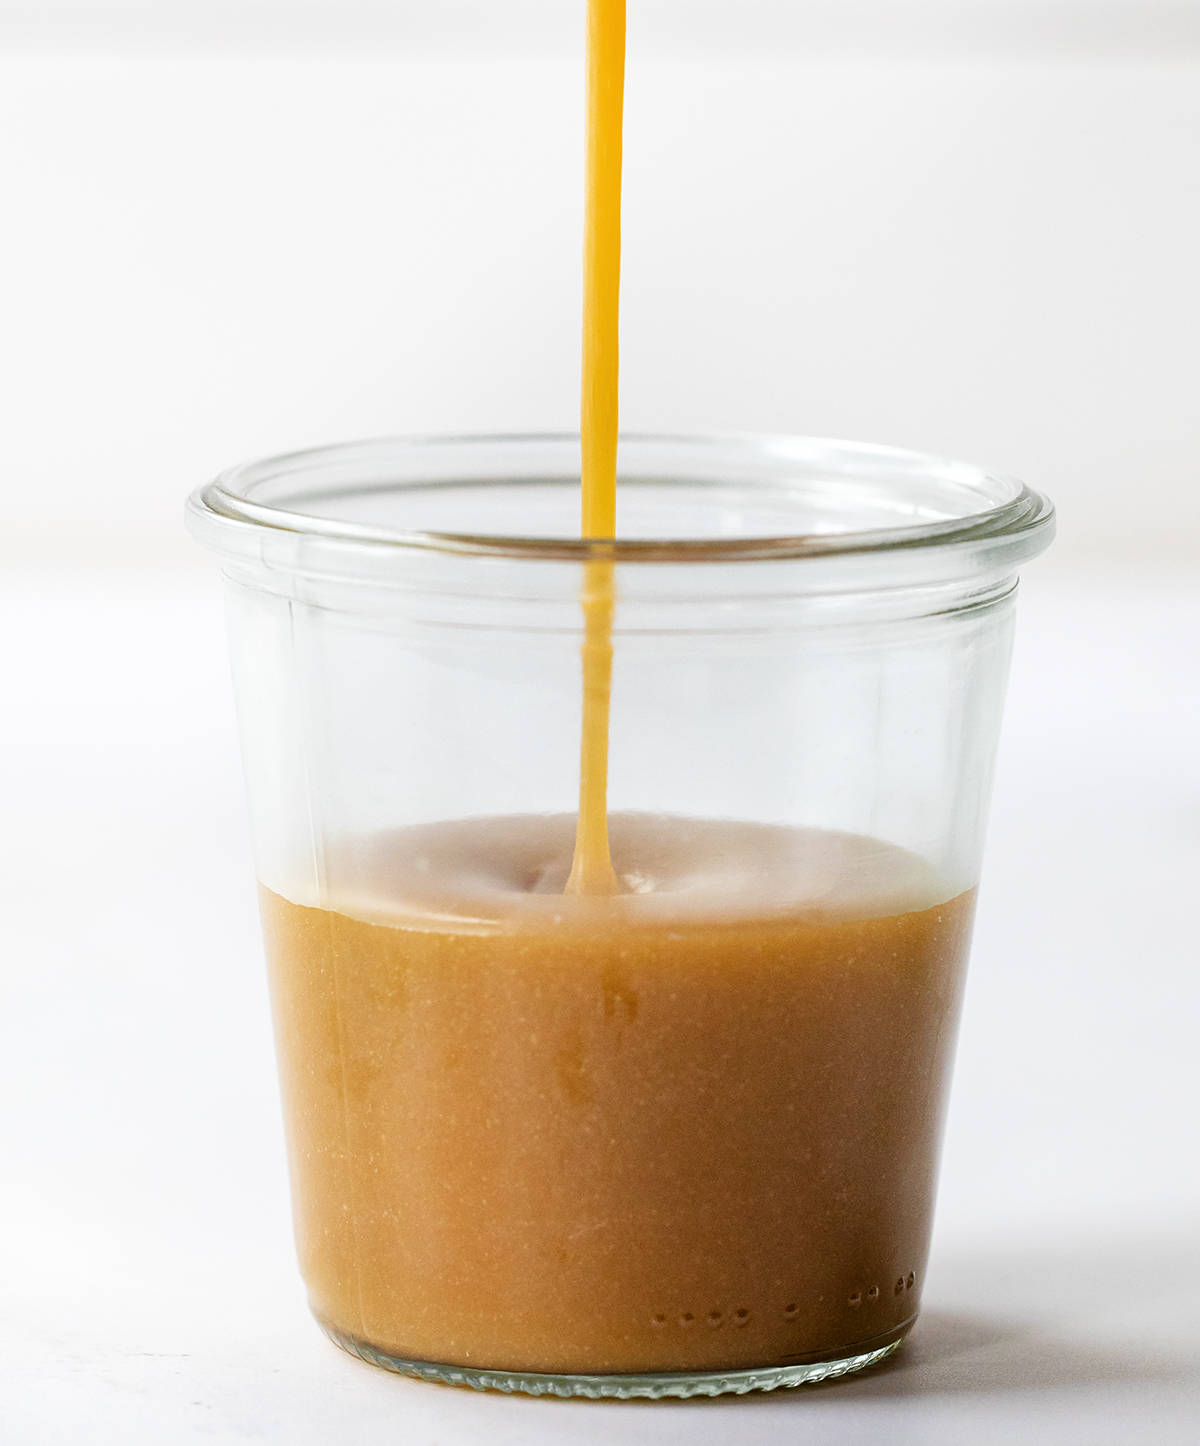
679,1141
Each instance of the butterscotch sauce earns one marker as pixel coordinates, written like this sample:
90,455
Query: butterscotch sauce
690,1126
592,871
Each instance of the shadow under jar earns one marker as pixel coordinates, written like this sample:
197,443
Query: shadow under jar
684,1139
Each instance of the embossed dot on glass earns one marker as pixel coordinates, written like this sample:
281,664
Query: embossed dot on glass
677,1136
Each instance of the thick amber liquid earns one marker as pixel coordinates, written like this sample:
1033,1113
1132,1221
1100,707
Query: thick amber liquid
591,870
693,1126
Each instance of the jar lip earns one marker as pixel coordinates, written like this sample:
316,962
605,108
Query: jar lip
1018,523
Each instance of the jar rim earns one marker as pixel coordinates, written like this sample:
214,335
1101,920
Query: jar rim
1015,523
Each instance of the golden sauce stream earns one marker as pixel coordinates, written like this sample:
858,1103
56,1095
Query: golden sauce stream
592,870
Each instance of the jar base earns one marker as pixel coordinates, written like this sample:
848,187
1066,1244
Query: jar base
655,1385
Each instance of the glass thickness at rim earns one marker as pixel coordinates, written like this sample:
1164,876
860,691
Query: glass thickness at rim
998,514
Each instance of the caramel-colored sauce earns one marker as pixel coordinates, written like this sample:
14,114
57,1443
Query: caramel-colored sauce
690,1126
592,872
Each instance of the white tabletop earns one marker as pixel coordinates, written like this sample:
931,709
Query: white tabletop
149,1293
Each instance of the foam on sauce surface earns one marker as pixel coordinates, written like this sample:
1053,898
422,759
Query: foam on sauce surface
508,872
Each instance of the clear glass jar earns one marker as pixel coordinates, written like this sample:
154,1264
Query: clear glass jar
679,1142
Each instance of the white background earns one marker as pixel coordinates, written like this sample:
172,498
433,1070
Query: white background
230,230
